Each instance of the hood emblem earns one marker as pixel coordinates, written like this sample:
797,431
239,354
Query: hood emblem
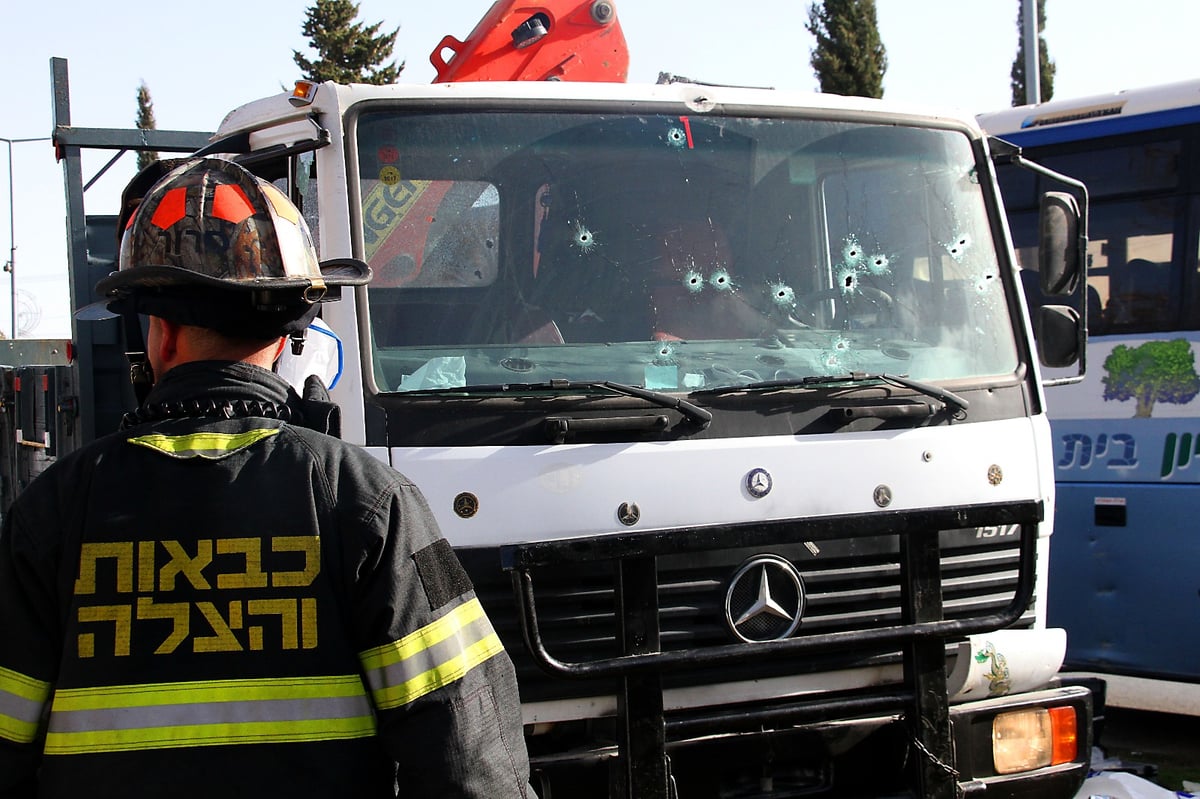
765,600
758,483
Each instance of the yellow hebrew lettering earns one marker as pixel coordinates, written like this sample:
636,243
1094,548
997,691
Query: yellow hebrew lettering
121,618
310,545
235,615
223,639
183,564
308,623
253,576
89,554
145,567
285,609
178,612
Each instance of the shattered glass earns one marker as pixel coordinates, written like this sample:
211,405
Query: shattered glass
674,252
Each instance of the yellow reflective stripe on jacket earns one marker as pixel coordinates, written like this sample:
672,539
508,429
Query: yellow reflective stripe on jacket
211,446
171,715
21,702
430,658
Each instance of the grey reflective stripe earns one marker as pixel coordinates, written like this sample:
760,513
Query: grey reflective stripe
19,717
207,713
432,657
169,715
21,701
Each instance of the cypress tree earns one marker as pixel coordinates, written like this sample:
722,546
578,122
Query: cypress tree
849,58
145,121
1045,65
347,51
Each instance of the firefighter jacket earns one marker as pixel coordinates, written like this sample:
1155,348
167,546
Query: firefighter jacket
224,607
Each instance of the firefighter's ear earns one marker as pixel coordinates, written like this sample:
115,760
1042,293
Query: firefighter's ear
163,344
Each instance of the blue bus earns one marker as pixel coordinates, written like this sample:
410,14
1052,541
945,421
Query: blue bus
1125,555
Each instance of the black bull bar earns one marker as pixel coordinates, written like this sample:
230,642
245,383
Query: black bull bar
920,636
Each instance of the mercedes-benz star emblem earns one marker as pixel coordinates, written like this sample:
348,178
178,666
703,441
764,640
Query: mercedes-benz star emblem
758,483
765,600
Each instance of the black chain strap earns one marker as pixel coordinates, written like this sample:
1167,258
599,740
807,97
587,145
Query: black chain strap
226,409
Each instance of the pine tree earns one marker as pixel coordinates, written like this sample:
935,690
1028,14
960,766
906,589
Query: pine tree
1045,65
145,121
849,58
347,51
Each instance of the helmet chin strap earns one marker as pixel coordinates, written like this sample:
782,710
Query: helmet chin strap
297,339
140,373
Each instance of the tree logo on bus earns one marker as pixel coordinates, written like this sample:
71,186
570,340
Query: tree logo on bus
1148,373
1156,371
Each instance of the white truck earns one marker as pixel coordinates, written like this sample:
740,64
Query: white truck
728,401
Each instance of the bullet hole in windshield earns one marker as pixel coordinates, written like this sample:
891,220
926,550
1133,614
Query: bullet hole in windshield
852,253
664,353
583,238
847,279
676,137
721,281
694,281
984,283
879,264
783,295
835,358
958,247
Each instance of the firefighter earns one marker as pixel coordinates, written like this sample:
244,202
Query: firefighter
218,600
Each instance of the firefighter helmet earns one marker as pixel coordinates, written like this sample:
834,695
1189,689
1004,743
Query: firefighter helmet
211,244
209,222
135,190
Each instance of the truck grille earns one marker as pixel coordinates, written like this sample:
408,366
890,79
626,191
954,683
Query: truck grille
851,584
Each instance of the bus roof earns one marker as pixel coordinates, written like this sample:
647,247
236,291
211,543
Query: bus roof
1098,115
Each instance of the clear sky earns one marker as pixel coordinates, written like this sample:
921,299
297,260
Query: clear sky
202,59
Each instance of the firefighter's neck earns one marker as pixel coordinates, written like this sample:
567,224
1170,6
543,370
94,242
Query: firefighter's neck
169,344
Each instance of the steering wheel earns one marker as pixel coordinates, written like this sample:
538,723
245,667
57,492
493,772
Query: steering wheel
862,301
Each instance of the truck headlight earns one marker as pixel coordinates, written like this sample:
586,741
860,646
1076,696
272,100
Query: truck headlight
1027,739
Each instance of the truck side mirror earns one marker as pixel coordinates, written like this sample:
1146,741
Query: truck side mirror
1059,255
1058,341
1062,266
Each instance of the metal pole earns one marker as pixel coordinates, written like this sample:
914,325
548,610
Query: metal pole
1033,76
11,266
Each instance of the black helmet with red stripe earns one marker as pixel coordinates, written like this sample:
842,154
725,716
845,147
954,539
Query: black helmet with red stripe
213,245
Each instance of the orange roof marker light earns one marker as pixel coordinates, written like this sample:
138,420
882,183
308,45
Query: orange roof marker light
304,93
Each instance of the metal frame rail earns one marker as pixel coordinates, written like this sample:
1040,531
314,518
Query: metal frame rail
93,341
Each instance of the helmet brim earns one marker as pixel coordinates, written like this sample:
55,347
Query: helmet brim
336,272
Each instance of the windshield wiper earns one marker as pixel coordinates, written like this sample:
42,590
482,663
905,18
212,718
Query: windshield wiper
928,389
692,412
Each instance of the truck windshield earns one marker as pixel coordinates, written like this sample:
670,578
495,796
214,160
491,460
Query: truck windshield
675,253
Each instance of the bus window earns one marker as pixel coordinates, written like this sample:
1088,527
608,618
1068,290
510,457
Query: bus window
1132,266
1151,166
